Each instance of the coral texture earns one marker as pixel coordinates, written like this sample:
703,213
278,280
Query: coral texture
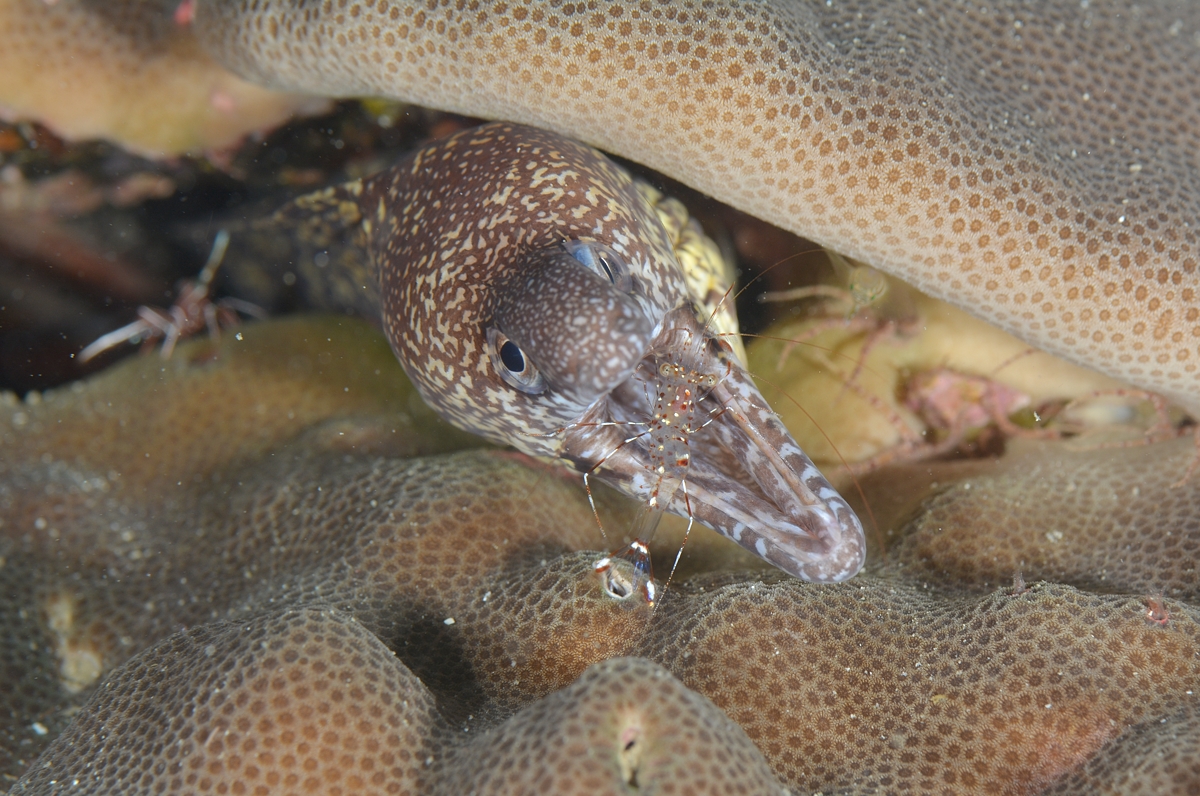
1032,163
339,603
131,72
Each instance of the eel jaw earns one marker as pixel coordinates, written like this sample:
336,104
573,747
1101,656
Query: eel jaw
747,478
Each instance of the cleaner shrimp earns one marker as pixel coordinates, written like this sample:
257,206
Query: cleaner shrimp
193,311
680,387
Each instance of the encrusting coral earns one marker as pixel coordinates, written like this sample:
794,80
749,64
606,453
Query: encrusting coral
264,566
1155,757
131,72
1120,521
332,606
1029,162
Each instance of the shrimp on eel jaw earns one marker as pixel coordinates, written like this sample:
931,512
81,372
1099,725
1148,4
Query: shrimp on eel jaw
534,297
677,384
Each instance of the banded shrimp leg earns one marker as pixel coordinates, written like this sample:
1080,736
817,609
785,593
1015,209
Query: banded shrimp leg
194,310
628,570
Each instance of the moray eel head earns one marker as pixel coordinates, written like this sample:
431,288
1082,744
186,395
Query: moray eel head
533,297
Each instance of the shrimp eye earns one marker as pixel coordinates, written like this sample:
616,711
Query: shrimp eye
512,365
603,261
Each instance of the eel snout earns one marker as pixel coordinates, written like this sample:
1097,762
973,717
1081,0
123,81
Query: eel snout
690,423
663,411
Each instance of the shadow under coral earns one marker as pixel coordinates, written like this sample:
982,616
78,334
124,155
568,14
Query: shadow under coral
263,566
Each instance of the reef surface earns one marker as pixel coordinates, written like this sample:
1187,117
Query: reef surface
262,566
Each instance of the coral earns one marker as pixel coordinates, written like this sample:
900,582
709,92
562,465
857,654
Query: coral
625,726
303,700
1118,521
1030,163
308,700
879,685
129,72
320,602
1158,756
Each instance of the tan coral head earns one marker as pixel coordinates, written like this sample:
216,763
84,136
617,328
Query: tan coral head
1032,163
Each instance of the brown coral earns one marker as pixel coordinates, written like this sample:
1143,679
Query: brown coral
1031,163
1111,521
309,606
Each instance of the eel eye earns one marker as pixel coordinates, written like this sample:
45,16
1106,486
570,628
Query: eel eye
603,260
512,357
512,365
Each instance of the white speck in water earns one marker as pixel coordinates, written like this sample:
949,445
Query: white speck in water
38,728
448,620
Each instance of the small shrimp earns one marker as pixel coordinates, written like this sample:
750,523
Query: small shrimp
865,287
854,308
193,311
680,384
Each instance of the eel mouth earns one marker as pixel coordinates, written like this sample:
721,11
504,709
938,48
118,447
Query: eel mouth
691,433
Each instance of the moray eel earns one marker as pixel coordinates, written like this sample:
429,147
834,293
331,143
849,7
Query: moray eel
534,297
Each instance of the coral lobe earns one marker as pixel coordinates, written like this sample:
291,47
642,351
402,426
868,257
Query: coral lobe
315,608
